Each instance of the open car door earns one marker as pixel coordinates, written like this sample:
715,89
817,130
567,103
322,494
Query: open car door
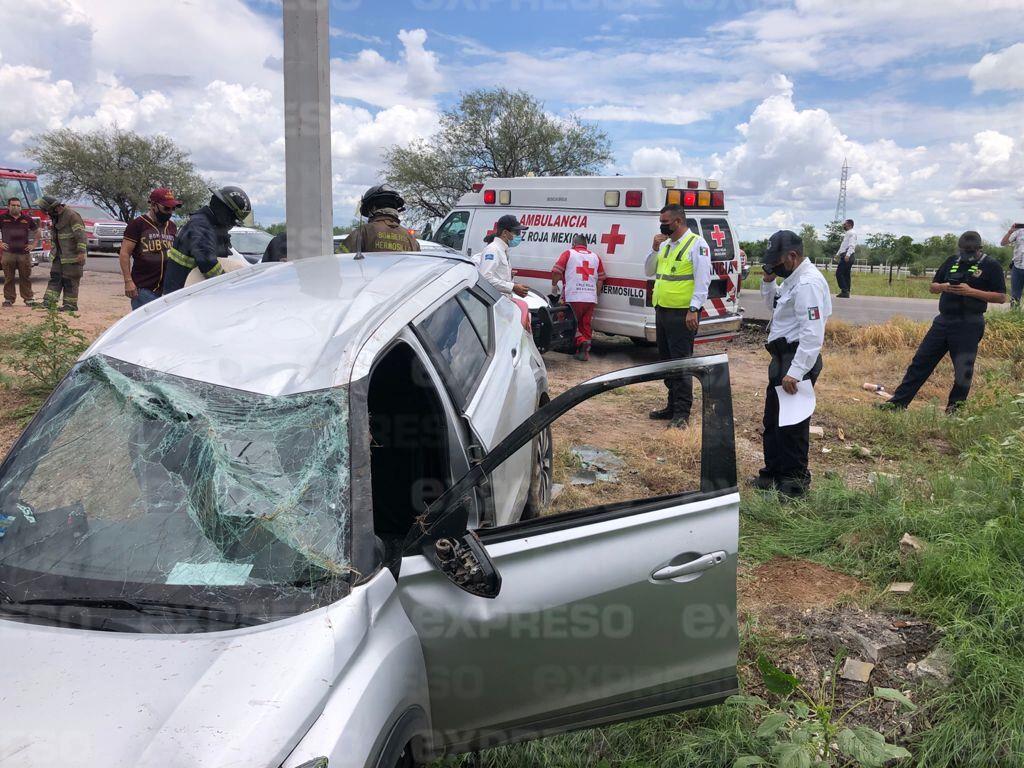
595,615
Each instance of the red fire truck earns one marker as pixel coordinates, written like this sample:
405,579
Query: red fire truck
25,186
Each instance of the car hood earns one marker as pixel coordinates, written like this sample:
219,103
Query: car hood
243,698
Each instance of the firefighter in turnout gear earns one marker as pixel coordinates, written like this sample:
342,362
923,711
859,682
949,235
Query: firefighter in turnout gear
383,231
204,239
680,262
70,247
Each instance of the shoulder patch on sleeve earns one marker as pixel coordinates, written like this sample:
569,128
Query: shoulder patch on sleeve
813,313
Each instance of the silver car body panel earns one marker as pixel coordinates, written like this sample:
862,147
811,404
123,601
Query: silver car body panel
233,699
276,329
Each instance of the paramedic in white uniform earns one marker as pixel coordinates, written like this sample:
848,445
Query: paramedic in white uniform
493,261
800,306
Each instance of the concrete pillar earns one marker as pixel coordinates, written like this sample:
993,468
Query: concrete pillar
307,102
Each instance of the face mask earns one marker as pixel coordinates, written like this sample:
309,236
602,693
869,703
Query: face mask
515,241
781,271
666,229
162,217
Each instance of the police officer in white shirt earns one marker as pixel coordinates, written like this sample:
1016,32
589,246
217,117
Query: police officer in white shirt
493,261
680,262
1015,236
800,306
844,268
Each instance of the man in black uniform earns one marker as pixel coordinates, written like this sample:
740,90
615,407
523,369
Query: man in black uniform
204,239
966,283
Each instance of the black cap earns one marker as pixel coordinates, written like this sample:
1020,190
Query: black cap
782,242
511,223
969,242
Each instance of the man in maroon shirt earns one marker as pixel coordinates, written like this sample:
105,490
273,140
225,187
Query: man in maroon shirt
146,242
16,230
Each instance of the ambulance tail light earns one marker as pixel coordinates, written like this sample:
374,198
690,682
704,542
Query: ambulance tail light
490,196
674,197
703,199
692,184
634,198
718,199
611,198
712,184
478,186
689,199
505,197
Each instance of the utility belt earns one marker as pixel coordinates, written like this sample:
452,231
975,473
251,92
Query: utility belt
780,347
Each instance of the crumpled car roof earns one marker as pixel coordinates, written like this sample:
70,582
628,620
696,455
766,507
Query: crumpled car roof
273,329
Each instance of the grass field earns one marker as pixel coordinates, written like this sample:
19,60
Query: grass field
869,284
959,486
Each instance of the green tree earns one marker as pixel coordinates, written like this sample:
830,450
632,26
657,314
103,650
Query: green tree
937,248
275,229
812,245
493,132
755,251
115,169
881,246
904,252
833,238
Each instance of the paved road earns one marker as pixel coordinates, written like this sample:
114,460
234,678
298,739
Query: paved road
858,310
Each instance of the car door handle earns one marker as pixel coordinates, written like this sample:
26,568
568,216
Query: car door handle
695,566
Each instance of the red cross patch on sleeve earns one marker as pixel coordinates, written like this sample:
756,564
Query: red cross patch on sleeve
813,313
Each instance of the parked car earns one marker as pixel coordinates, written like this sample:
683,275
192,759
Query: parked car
308,532
104,232
250,243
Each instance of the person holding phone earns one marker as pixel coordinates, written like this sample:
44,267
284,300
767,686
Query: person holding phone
1015,236
966,283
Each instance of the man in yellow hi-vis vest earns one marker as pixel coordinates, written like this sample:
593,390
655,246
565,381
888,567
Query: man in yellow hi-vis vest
680,262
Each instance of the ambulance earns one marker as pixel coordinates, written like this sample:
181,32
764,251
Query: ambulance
619,216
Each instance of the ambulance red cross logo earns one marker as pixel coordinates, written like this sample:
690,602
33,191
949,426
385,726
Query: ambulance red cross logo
613,238
718,235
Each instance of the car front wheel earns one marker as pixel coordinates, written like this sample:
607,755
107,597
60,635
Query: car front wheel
541,476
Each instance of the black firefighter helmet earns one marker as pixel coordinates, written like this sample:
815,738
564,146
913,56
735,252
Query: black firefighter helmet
236,201
380,196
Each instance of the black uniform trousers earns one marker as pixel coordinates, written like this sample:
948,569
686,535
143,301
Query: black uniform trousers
958,335
785,448
675,340
843,274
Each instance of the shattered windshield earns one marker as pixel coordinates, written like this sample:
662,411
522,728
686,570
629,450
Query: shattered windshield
135,484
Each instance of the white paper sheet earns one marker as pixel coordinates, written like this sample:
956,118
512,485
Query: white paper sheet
795,408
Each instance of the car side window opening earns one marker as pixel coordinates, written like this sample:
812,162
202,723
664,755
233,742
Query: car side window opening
459,334
603,453
453,231
409,464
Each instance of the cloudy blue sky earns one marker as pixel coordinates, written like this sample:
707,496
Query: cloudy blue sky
924,97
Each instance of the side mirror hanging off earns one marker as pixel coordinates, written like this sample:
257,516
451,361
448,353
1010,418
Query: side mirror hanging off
465,562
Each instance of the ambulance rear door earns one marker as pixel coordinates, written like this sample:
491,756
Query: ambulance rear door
723,294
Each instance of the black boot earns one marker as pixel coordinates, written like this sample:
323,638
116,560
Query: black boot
665,414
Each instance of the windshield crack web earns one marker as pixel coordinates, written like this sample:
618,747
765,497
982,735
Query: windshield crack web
143,478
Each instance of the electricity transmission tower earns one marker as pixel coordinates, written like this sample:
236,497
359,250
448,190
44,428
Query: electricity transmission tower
841,202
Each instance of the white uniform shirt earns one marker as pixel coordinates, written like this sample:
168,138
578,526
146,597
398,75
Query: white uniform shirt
849,244
801,305
1017,241
494,265
700,255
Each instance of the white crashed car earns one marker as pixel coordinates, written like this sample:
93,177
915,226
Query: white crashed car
286,518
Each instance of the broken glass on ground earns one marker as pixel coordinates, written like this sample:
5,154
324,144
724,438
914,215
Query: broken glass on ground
130,480
596,465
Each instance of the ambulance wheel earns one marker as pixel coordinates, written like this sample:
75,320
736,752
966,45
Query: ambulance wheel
541,476
642,342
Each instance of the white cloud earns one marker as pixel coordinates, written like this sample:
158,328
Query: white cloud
32,101
999,71
369,77
661,161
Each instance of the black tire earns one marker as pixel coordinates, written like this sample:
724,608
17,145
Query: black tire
541,476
